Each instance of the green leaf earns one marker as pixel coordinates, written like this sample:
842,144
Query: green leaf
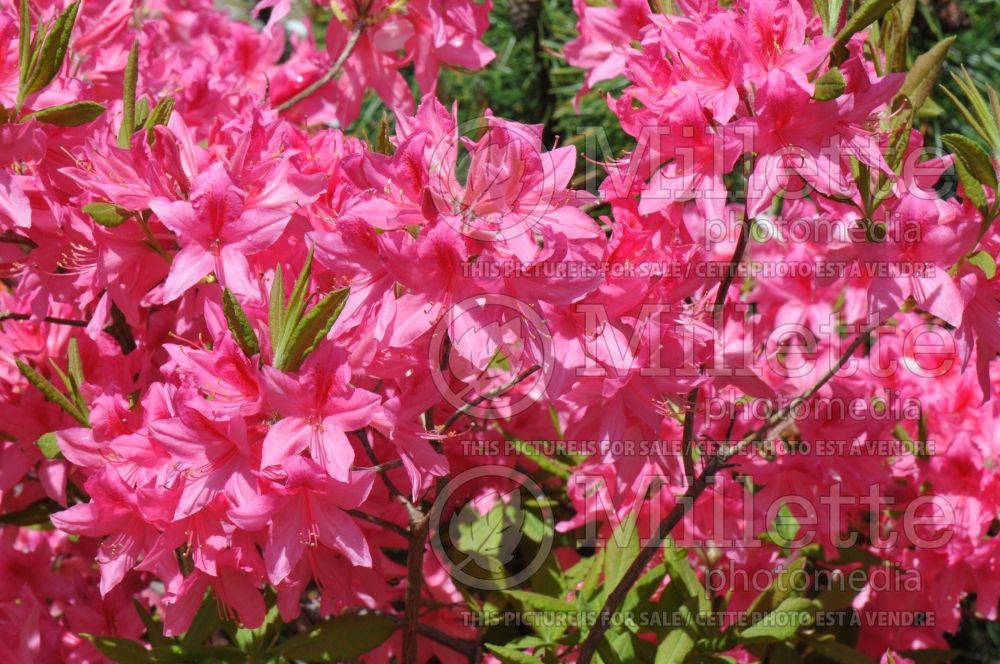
205,622
239,324
51,393
292,313
972,188
782,623
107,214
973,158
779,589
674,648
489,539
24,44
865,15
314,327
644,588
73,363
838,652
680,570
276,309
921,77
154,628
128,97
829,12
118,650
73,114
930,655
532,602
256,641
141,112
382,143
74,366
297,301
985,262
160,115
345,637
829,86
984,116
621,550
894,34
49,445
511,656
592,577
608,653
785,526
969,117
49,60
537,602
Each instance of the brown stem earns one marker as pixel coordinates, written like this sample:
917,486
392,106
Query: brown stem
465,647
716,463
419,523
380,468
733,267
46,319
378,521
688,436
352,40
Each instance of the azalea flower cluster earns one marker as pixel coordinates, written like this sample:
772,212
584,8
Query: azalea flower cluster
243,348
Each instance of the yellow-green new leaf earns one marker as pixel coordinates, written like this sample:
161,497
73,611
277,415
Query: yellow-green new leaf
24,44
128,97
829,86
239,324
985,262
49,60
160,115
675,648
782,623
48,445
107,214
973,158
343,638
865,15
920,79
314,327
73,114
52,393
511,656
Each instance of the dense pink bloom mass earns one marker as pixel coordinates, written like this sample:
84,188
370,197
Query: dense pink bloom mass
245,352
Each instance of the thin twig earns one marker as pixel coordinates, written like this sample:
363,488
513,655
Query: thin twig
734,264
379,467
47,319
492,394
716,463
688,435
419,523
352,40
466,647
378,521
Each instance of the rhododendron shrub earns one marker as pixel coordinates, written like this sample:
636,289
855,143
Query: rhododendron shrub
274,392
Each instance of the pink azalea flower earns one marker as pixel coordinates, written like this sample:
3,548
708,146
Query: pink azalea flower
305,512
318,408
216,233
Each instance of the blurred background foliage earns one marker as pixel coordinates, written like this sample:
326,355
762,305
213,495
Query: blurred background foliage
530,82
